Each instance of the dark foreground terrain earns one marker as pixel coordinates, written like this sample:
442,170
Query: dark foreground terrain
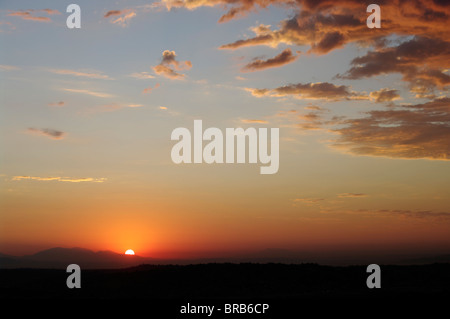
222,281
289,291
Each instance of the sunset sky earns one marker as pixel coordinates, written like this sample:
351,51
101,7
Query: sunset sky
87,114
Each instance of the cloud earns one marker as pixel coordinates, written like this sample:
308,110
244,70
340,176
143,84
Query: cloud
406,213
5,67
422,68
310,121
384,95
51,12
29,14
79,73
314,108
351,195
406,131
111,108
308,201
254,121
60,179
9,26
141,75
149,89
324,26
50,133
169,64
315,91
89,92
58,104
112,13
120,17
167,72
281,59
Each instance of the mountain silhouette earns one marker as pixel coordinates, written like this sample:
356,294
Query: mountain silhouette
59,257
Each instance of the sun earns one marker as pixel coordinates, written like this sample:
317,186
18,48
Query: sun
129,252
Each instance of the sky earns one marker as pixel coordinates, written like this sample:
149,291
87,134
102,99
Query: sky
87,114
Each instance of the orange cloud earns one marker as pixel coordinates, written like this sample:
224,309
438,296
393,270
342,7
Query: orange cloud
324,26
315,91
89,92
351,195
384,95
28,14
281,59
407,131
60,179
423,69
142,75
254,121
122,17
113,13
149,89
79,73
169,64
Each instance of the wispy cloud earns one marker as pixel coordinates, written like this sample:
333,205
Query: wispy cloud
60,179
120,17
308,200
50,133
92,75
57,104
89,92
4,67
9,26
111,107
351,195
30,14
149,89
141,75
254,121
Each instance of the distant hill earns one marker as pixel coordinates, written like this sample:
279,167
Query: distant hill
62,257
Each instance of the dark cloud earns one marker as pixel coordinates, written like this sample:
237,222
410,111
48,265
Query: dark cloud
384,95
420,60
407,131
319,90
324,25
169,64
113,13
283,58
50,133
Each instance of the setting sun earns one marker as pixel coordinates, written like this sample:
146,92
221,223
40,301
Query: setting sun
129,252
